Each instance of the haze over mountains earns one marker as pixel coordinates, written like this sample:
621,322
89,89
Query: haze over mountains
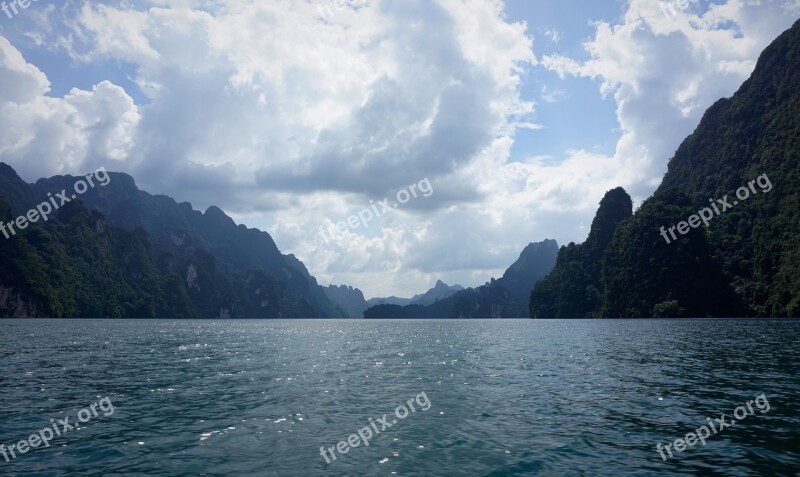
505,297
352,299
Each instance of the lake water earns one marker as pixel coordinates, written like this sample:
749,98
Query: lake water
503,398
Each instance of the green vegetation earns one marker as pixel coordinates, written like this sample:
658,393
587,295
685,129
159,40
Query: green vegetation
76,266
747,262
573,287
642,274
79,264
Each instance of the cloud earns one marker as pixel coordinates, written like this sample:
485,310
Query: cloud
354,97
552,96
442,100
22,82
81,131
664,69
553,35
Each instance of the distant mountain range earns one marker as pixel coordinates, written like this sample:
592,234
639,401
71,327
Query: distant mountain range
506,297
352,301
440,291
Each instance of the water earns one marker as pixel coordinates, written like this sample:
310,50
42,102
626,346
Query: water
507,398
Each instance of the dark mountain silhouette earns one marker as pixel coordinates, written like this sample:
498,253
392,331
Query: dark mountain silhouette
226,270
502,298
352,299
440,291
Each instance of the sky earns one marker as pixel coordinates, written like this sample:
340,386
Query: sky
466,128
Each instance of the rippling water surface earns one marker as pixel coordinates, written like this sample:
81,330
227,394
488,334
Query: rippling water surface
507,398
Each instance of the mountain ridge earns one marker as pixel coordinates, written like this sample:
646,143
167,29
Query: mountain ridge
353,302
221,248
744,262
505,297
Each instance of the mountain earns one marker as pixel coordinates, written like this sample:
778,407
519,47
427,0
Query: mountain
533,264
739,170
226,270
502,298
573,287
15,192
351,300
440,291
78,266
